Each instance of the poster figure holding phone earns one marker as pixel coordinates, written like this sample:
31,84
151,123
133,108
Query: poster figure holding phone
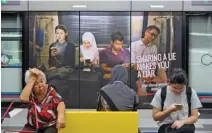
114,55
89,53
61,52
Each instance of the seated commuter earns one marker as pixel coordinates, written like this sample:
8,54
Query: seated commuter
116,95
89,53
61,52
49,104
176,105
114,55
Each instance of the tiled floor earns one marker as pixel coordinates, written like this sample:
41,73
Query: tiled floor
146,123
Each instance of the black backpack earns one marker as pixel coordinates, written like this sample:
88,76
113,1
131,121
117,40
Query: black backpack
110,102
188,93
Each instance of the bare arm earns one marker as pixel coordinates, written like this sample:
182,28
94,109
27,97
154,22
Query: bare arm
24,96
162,74
159,115
193,118
61,109
106,68
61,115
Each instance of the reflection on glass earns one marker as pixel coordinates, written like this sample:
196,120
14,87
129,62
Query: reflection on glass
11,21
200,52
11,53
11,34
11,45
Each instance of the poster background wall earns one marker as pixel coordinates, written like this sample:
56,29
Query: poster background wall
75,85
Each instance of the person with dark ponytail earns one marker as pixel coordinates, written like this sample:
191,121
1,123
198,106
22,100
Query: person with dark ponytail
61,52
176,105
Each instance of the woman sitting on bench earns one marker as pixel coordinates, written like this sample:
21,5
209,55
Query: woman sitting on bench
49,105
116,95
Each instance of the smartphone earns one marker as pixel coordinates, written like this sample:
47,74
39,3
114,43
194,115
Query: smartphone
53,48
88,61
179,106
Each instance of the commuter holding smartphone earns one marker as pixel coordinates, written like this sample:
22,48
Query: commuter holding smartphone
61,52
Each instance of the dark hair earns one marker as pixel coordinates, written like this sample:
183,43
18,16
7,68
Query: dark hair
151,27
117,36
178,76
61,27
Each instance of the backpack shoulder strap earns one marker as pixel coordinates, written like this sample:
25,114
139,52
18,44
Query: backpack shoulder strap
163,96
135,104
188,94
98,108
109,101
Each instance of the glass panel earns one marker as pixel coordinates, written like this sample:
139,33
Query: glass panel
11,34
11,44
200,52
10,20
11,54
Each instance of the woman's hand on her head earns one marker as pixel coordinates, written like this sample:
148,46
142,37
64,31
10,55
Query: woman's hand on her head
34,73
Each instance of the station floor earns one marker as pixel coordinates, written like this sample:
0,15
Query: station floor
146,123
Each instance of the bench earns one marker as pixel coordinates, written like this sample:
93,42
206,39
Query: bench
100,122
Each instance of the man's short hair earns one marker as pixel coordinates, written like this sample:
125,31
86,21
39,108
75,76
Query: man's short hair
117,36
151,27
178,76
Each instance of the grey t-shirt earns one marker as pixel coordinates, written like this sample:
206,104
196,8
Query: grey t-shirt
171,98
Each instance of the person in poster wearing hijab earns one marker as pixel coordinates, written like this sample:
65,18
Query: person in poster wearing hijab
89,53
61,52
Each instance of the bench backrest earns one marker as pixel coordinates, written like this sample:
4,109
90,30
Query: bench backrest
101,122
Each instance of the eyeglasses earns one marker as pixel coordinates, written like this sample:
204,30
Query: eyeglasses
152,34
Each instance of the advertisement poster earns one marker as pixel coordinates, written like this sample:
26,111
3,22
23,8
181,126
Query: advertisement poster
76,51
155,50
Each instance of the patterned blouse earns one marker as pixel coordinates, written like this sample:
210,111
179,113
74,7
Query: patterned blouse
46,109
